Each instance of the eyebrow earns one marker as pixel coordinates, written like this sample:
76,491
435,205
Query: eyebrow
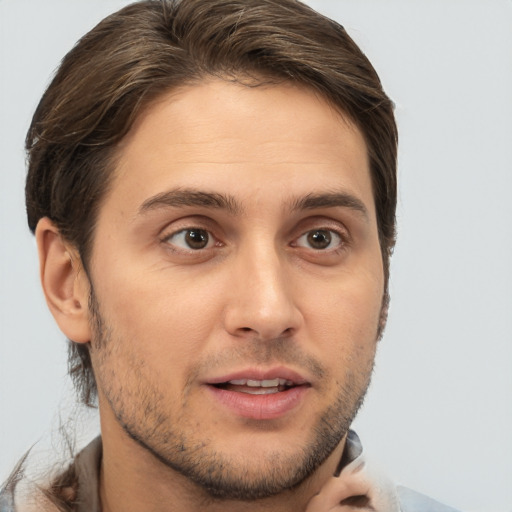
189,197
331,200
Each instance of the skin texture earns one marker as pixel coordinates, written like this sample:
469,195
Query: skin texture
276,185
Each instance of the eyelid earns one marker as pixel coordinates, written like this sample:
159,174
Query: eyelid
211,240
187,224
321,222
337,244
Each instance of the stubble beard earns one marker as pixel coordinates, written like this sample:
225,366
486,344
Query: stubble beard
141,414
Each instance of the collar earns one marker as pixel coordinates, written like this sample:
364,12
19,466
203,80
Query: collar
357,485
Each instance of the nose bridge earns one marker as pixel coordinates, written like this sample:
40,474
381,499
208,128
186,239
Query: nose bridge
263,302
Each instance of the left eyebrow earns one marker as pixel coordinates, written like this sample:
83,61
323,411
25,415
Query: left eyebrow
331,200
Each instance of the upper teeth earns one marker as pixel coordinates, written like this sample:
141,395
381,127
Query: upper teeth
272,383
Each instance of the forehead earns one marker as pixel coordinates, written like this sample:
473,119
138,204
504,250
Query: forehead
220,135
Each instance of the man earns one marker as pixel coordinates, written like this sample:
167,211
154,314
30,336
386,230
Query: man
212,185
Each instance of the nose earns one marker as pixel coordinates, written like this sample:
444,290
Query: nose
262,300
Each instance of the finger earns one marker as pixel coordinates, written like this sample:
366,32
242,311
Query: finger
336,490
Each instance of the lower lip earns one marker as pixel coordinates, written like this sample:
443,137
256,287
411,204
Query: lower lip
260,407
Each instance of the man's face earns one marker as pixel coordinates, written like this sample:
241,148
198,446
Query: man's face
237,282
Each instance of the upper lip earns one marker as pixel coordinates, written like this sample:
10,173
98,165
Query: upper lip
280,372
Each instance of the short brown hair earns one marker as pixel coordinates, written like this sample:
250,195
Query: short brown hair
153,46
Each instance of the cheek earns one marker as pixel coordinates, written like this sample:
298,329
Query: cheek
343,318
351,301
159,318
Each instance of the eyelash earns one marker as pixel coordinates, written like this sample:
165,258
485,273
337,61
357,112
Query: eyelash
189,230
339,238
333,236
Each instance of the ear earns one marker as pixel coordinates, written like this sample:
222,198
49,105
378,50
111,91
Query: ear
65,283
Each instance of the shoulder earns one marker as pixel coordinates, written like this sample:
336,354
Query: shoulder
412,501
35,502
6,501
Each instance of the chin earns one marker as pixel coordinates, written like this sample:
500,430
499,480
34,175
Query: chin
262,465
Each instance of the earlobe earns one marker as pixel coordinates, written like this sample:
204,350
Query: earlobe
64,281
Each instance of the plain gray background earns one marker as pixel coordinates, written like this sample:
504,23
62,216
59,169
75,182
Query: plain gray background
439,413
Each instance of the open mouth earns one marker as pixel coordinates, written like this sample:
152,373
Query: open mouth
256,387
260,394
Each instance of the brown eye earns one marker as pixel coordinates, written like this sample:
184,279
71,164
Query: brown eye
197,238
320,239
192,238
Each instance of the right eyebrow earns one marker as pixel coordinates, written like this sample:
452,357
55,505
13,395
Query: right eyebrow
191,197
